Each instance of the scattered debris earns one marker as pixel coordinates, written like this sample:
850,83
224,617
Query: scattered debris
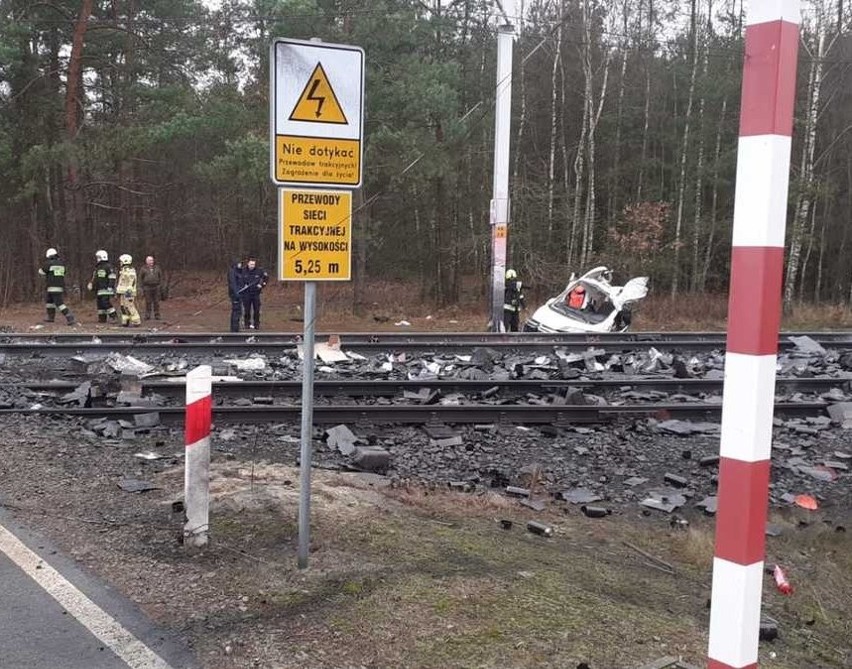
781,581
806,502
841,413
341,438
807,346
371,459
251,364
580,496
539,528
146,420
595,511
136,485
686,428
663,501
768,629
126,364
709,504
149,455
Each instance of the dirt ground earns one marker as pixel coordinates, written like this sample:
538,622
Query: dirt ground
200,303
405,576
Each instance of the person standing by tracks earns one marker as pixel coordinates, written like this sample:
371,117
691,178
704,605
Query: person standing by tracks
235,273
513,301
253,279
151,279
127,292
103,285
53,269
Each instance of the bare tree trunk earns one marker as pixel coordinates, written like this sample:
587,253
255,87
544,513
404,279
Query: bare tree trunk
806,170
699,176
579,168
76,209
615,174
551,164
647,117
711,234
522,124
589,230
683,155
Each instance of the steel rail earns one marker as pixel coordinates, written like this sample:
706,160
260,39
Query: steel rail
394,336
224,348
390,388
560,415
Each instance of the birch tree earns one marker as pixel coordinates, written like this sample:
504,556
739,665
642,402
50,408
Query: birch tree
684,152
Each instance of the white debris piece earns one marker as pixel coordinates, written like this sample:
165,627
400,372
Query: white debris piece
329,354
402,323
127,364
252,364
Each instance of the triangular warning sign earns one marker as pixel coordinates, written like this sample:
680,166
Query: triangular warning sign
318,103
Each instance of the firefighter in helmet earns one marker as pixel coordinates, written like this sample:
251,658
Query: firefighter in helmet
513,301
127,292
53,269
103,285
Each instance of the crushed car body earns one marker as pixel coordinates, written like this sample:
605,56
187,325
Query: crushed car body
589,303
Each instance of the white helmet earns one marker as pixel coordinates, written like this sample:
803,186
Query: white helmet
50,253
125,259
101,256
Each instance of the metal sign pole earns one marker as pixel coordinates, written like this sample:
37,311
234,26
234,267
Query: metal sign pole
500,201
305,452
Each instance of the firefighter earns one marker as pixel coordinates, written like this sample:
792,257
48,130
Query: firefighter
103,285
253,280
513,301
127,292
53,269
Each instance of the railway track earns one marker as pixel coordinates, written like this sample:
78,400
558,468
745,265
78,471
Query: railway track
70,343
558,415
175,388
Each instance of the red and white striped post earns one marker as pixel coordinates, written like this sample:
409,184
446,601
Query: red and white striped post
754,317
199,410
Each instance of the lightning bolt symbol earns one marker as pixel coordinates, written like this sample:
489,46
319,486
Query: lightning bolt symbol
319,99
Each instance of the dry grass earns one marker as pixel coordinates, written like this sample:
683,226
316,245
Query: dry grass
426,578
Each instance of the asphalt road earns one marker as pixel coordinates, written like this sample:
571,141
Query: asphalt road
52,624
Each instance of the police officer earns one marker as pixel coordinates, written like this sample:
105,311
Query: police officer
235,274
53,269
103,285
253,280
513,301
127,292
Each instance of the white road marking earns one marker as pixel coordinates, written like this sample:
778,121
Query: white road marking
121,641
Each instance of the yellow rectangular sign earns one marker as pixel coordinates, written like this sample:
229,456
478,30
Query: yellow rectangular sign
315,235
314,160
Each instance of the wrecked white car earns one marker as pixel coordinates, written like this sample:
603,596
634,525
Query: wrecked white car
589,304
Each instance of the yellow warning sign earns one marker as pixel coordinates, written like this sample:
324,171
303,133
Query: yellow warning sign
318,103
314,160
315,235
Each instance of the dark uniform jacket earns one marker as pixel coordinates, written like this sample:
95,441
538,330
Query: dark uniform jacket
252,281
234,285
54,269
103,278
149,277
514,297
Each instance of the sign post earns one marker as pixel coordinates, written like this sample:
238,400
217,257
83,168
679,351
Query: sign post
754,317
316,127
500,200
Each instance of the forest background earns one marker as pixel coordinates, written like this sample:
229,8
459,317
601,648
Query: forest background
141,126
